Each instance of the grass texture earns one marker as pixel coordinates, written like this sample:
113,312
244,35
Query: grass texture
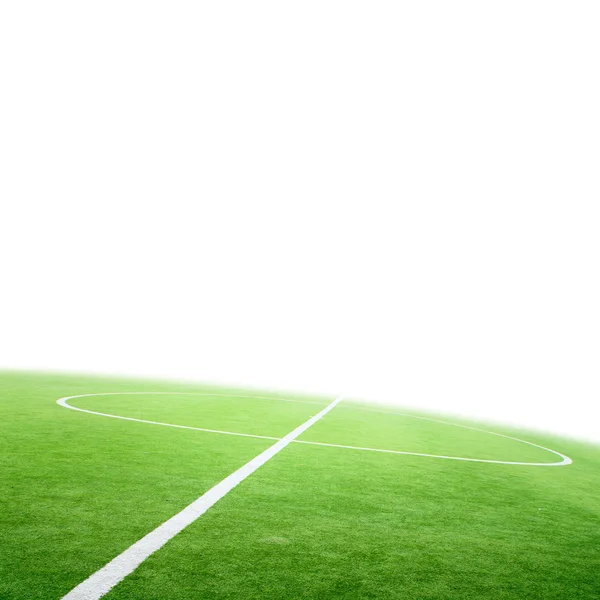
315,522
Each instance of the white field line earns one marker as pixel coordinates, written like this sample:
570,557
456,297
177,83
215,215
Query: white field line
101,582
565,459
64,402
231,395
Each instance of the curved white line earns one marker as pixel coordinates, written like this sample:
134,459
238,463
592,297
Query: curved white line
63,402
568,461
565,459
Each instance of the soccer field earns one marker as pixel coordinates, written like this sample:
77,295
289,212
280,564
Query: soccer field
367,502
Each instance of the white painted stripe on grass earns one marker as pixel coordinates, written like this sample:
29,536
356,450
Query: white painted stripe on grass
117,569
565,460
65,402
231,395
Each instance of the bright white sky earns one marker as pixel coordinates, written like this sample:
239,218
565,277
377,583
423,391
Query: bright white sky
393,200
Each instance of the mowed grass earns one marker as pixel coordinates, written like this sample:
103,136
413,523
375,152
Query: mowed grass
314,522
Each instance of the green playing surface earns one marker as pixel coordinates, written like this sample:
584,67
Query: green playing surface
315,522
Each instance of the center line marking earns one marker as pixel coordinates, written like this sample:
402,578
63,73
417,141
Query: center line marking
102,581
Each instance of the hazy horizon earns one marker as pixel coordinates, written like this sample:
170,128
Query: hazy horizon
389,201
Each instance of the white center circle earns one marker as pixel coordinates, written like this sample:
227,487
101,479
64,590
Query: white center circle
565,460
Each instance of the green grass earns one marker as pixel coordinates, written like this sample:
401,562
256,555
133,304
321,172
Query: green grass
315,522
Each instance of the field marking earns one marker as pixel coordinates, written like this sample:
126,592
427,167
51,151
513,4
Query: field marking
102,581
64,402
565,459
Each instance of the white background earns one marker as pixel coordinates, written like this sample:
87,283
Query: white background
394,200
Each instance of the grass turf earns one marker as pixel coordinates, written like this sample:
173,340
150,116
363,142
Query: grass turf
314,522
